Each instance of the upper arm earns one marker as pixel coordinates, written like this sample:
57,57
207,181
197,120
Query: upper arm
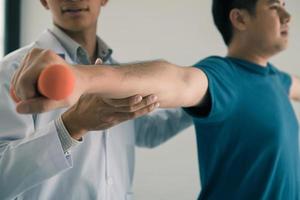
196,86
295,89
219,93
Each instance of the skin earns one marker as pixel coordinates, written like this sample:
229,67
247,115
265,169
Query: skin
259,36
80,26
256,38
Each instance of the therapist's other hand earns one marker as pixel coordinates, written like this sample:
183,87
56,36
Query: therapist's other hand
92,112
25,80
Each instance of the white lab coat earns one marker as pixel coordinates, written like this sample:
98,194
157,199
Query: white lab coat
34,166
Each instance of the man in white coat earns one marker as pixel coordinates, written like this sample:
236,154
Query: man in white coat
38,157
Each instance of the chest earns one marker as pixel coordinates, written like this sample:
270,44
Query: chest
263,108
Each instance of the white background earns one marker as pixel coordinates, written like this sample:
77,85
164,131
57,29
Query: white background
181,32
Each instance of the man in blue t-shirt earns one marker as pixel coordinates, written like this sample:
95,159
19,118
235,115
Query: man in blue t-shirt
247,131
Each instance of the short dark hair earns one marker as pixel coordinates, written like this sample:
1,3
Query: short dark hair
221,10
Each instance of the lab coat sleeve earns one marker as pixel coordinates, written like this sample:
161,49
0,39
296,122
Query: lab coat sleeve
156,128
27,156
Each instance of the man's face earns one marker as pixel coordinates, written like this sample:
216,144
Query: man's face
268,27
74,15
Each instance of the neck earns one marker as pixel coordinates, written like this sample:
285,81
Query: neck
247,52
87,39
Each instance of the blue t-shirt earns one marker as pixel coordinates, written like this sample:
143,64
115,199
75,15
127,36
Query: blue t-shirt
248,143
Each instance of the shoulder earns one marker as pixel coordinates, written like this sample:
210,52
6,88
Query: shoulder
217,66
213,60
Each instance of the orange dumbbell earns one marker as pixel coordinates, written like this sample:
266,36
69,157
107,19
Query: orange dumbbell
55,82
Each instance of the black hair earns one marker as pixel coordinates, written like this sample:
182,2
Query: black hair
221,10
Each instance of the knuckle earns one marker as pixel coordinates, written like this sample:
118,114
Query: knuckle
47,52
150,108
34,51
110,119
131,102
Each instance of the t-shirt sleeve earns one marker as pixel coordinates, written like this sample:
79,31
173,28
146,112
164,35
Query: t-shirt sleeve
285,79
221,90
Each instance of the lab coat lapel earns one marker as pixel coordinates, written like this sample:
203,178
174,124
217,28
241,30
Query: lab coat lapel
48,41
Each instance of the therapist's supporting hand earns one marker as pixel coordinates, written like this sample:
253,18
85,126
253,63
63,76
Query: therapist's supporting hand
92,112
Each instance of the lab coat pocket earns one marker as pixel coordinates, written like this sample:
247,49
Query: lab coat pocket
129,196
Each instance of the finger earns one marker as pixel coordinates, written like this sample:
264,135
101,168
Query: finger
124,102
13,95
13,82
138,113
151,99
119,117
30,74
38,105
17,73
24,64
145,110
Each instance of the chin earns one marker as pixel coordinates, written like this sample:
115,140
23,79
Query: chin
76,27
284,45
279,48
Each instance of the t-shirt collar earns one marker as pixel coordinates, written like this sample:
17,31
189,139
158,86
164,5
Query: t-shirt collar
253,67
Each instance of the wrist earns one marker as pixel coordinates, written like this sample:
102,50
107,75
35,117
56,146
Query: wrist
73,127
66,140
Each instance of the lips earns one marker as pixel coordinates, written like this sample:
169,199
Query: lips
74,9
284,32
284,29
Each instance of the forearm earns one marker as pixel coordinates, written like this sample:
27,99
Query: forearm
172,84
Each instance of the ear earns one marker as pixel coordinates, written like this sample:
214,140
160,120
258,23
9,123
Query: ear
239,19
104,2
45,4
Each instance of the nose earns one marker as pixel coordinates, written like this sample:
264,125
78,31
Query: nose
285,17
